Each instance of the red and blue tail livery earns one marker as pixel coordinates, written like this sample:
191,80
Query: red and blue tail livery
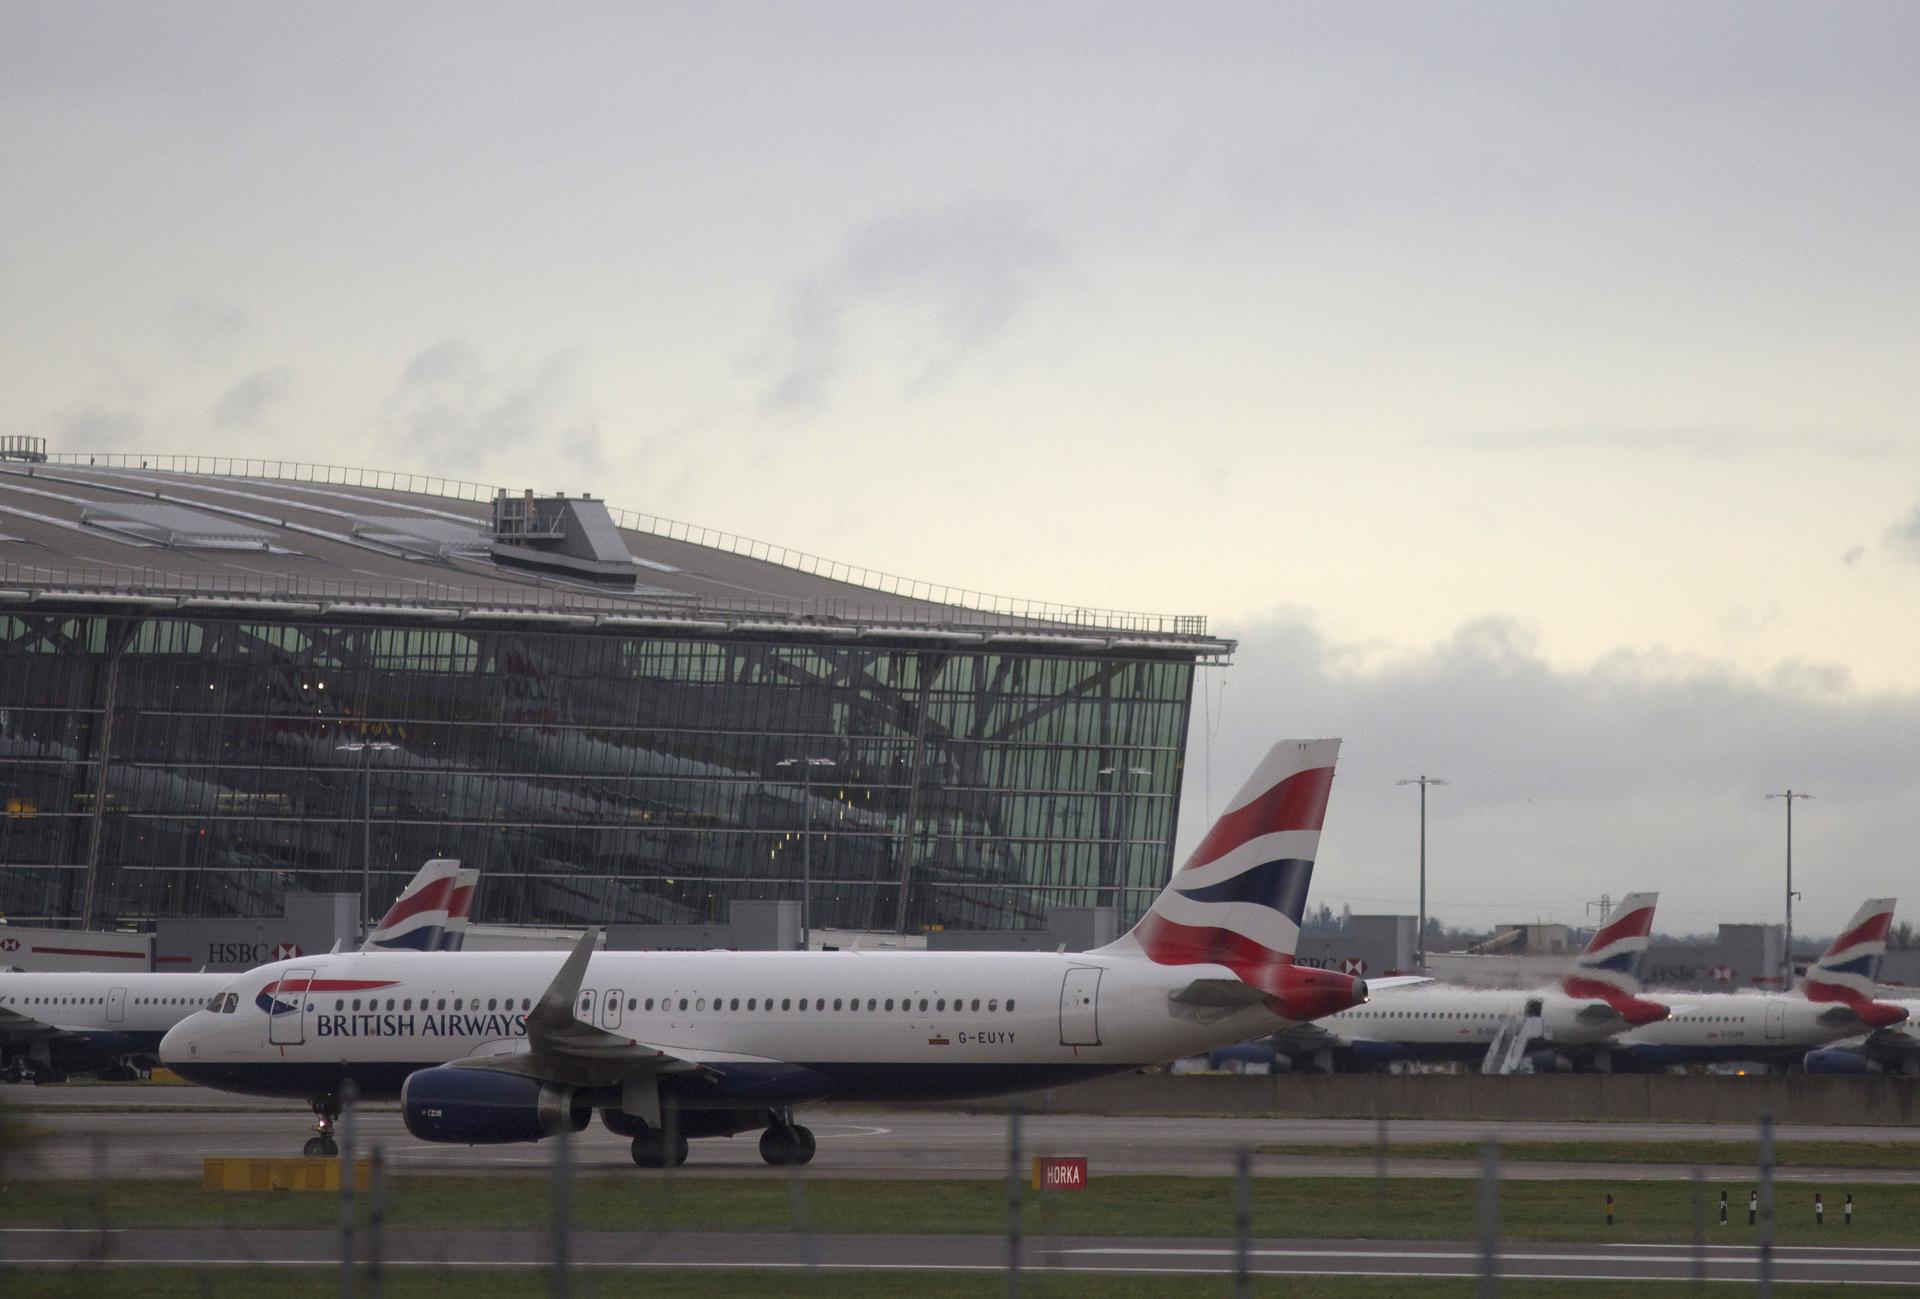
429,913
1845,972
1609,969
1239,899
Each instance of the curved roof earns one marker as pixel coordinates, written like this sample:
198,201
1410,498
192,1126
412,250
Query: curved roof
217,532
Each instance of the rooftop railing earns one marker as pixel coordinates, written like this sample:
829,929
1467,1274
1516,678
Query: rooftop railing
871,579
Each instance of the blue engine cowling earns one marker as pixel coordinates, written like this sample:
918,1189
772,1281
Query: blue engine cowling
1837,1062
477,1107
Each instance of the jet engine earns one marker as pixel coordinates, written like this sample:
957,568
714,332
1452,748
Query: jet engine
478,1107
1837,1062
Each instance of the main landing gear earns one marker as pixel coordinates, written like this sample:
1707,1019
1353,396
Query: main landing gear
651,1149
322,1145
786,1143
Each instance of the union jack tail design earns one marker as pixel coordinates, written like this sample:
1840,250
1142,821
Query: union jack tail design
1238,901
1608,969
460,909
1845,972
417,920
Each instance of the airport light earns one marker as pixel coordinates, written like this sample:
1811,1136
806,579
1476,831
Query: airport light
1420,935
366,748
1110,888
806,766
1788,797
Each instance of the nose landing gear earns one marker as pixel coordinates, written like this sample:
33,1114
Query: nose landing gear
322,1145
786,1143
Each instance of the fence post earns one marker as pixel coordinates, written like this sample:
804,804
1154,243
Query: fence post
1766,1204
1242,1219
562,1210
348,1122
1013,1201
1490,1219
376,1220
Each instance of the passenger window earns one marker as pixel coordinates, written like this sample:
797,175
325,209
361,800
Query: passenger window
701,1004
751,1002
356,1004
443,1003
1009,1005
457,1003
836,1003
786,1003
492,1003
923,1003
941,1004
649,1003
407,1004
871,1003
994,1004
976,1003
889,1003
683,1003
389,1003
633,1003
734,1004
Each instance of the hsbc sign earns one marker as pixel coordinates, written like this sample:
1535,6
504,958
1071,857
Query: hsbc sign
249,954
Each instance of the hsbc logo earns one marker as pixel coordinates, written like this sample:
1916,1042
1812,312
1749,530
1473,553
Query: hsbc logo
287,951
9,944
1721,974
1352,965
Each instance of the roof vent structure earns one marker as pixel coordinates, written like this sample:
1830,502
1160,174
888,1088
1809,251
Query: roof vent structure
174,526
574,538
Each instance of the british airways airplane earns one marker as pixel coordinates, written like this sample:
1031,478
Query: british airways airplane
1496,1028
1836,1000
501,1047
53,1024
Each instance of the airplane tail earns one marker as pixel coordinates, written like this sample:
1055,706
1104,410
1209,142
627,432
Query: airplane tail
1239,899
460,909
417,920
1846,971
1609,968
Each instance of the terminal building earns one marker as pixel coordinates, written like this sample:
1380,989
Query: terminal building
224,682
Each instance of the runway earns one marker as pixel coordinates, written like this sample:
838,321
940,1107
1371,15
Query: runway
164,1132
632,1251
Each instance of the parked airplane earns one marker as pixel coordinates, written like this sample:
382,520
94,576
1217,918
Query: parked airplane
1834,1001
1495,1028
499,1047
54,1024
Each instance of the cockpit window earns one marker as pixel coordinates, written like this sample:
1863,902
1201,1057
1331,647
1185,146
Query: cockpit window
233,1003
214,1005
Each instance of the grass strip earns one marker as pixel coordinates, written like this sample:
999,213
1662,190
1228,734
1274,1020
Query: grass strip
1333,1208
1685,1154
593,1283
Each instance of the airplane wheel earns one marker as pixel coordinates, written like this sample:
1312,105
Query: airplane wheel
316,1148
679,1151
650,1150
807,1145
778,1146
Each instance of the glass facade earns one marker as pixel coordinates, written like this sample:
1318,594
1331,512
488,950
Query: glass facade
189,766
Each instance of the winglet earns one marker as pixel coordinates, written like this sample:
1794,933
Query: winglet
555,1007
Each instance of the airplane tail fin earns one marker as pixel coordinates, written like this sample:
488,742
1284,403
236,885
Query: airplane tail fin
1846,971
1239,900
1609,968
417,920
460,909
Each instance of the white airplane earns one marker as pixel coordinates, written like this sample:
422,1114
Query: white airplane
53,1024
515,1046
1834,1001
1495,1028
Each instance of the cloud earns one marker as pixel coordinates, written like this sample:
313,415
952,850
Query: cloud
245,404
947,282
96,429
202,330
1704,443
1904,536
453,407
1644,770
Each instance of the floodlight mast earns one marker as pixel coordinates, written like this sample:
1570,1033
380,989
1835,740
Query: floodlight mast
366,749
806,766
1420,935
1787,942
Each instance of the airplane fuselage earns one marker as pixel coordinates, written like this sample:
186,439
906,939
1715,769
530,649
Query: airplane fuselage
773,1027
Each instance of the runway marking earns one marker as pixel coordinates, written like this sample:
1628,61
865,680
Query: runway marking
667,1265
1505,1256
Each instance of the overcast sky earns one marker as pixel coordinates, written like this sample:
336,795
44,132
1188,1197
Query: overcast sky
1530,389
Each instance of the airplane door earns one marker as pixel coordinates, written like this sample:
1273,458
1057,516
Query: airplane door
1776,1020
288,1027
1080,1007
610,1008
117,1006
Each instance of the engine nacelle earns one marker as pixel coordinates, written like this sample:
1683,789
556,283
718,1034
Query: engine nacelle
477,1107
1837,1062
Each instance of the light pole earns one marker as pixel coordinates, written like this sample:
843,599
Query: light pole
1109,894
1420,936
806,766
1787,981
365,748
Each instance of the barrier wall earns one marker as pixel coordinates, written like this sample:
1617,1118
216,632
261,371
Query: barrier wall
1656,1098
